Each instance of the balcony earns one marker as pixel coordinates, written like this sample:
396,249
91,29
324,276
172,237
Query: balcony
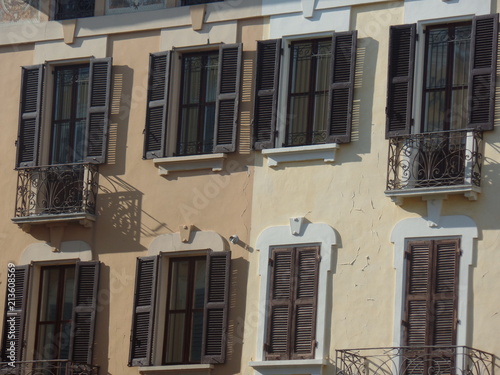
52,367
56,193
436,360
430,164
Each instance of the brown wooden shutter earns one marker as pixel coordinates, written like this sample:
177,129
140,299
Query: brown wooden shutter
216,307
157,107
304,325
266,93
342,86
228,94
400,79
84,312
280,305
14,315
30,112
482,76
141,339
98,110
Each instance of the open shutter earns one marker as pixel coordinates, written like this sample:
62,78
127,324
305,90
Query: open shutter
342,86
143,313
266,93
482,76
280,305
306,279
30,113
400,80
98,110
228,93
157,109
84,311
15,312
216,307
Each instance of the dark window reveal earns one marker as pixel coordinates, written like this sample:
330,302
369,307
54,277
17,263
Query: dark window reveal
67,9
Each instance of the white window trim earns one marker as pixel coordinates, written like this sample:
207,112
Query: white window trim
132,9
277,156
299,232
412,229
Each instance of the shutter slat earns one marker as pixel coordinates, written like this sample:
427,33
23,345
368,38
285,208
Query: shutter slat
400,79
342,86
84,311
266,93
215,317
482,76
141,336
227,103
98,110
16,317
30,113
157,107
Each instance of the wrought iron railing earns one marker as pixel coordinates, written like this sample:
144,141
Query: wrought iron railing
49,367
57,189
195,148
435,159
429,360
306,138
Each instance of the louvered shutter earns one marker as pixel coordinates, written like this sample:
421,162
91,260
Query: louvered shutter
84,311
228,93
280,305
342,86
30,112
143,311
482,76
98,110
400,80
266,93
306,279
157,107
216,308
14,316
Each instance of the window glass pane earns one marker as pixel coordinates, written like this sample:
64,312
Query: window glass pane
47,344
50,282
175,337
196,336
199,284
69,289
179,285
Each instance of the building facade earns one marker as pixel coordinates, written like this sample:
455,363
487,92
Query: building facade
249,187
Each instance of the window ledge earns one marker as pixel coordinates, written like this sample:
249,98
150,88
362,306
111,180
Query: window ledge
84,219
215,162
173,369
298,366
276,156
468,191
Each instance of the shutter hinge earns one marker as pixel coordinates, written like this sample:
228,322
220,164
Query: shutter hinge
15,143
404,323
416,36
282,51
314,344
266,348
460,252
271,262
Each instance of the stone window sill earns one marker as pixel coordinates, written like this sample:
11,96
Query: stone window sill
441,192
277,156
165,166
298,366
175,369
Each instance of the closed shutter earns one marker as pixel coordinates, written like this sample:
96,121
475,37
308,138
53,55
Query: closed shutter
157,107
28,137
98,110
228,93
14,315
293,300
216,307
84,312
482,76
400,80
342,86
143,311
266,93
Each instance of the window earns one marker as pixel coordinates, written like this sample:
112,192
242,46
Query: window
204,121
66,9
57,153
292,303
65,310
319,95
456,94
431,300
194,2
195,292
